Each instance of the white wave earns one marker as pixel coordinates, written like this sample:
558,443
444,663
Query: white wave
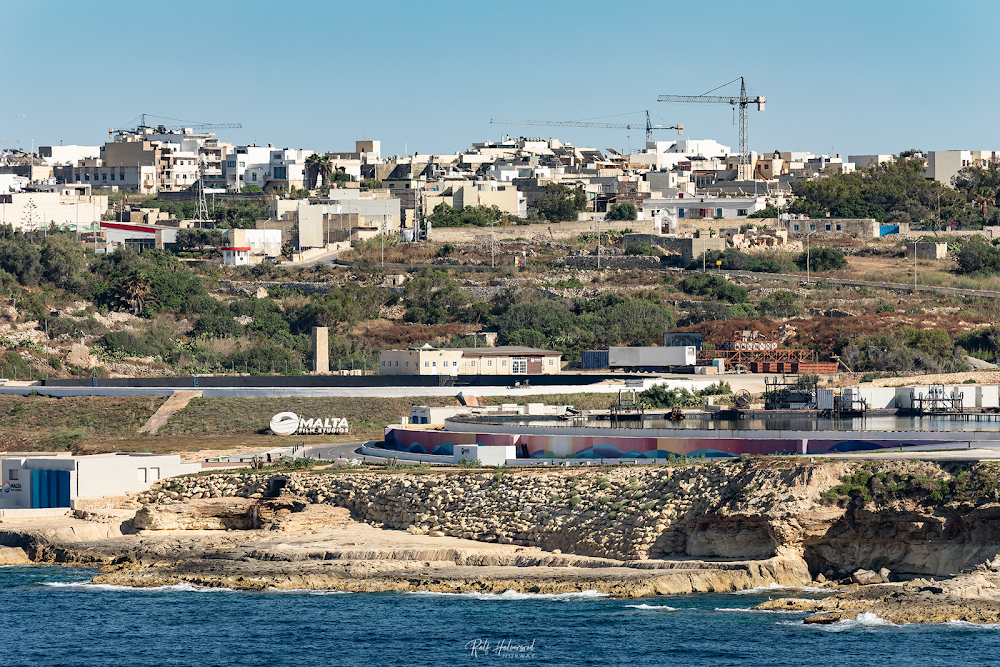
757,611
515,595
651,607
307,591
173,588
865,621
773,586
966,625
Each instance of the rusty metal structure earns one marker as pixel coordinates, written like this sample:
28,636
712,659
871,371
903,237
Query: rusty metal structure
758,352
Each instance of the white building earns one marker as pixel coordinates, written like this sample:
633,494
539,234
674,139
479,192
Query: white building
942,166
668,211
31,211
67,155
236,256
60,480
864,161
509,360
137,237
247,165
287,168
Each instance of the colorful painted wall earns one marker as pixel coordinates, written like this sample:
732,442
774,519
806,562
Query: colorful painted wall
577,446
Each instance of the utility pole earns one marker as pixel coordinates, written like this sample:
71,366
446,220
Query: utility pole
807,254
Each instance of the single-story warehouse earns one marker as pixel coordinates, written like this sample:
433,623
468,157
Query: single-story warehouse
508,360
57,481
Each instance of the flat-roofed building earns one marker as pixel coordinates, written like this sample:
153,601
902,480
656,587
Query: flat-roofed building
507,360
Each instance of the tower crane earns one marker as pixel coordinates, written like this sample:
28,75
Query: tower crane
742,102
649,127
197,127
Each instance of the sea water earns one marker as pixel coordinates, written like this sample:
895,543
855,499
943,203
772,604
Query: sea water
52,616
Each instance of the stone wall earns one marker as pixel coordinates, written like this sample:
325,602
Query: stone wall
613,262
549,230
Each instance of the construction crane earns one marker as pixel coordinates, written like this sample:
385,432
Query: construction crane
577,123
742,102
196,127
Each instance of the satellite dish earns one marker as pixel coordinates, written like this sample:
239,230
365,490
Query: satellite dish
743,398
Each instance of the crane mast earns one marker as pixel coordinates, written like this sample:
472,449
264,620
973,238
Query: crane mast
743,101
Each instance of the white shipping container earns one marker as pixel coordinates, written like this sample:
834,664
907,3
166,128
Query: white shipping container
644,357
824,399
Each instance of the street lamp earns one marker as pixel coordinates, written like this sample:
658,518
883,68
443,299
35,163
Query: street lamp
807,254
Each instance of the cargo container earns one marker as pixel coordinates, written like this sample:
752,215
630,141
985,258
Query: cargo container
652,358
593,359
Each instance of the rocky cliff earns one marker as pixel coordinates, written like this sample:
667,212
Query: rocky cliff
911,517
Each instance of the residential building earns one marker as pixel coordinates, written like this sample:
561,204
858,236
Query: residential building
247,165
942,166
67,155
33,211
287,169
684,207
509,360
236,255
864,161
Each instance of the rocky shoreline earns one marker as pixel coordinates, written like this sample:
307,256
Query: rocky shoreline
629,532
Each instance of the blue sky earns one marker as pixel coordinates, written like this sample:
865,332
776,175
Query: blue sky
847,76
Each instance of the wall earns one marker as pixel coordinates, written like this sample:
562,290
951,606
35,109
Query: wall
51,207
553,230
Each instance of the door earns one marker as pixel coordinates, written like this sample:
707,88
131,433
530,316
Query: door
519,366
534,365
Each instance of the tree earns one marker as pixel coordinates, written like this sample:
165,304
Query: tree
63,260
623,211
318,169
560,202
133,290
822,259
875,192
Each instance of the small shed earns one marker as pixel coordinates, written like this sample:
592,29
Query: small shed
236,256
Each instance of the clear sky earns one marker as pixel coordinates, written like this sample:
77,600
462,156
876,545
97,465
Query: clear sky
848,76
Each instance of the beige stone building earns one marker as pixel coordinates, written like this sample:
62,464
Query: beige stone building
510,360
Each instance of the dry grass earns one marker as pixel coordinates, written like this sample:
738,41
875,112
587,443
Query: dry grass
45,423
227,346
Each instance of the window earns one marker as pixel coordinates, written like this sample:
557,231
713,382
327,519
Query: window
141,474
407,365
812,228
741,211
489,363
154,474
255,176
104,177
473,363
427,364
383,362
397,363
242,164
795,228
12,474
552,362
280,173
680,213
503,363
828,228
454,364
838,228
231,163
121,177
434,364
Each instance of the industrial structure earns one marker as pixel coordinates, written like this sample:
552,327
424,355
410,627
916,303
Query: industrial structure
578,123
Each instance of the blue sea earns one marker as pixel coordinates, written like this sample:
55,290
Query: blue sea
51,616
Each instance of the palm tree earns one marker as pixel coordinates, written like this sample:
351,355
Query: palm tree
318,169
983,199
134,288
